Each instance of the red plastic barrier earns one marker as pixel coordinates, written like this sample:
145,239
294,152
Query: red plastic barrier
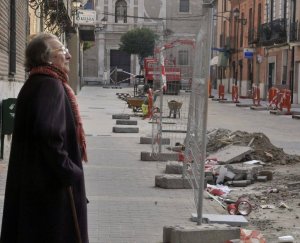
234,93
150,103
256,95
272,93
285,100
221,91
209,89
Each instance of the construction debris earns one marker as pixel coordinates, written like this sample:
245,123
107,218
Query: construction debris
262,148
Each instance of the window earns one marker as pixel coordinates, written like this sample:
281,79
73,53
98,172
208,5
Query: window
183,57
184,6
121,11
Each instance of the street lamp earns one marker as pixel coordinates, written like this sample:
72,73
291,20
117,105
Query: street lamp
237,19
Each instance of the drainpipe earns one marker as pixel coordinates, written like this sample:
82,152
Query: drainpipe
12,39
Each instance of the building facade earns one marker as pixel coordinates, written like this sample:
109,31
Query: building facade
260,39
13,39
168,19
19,21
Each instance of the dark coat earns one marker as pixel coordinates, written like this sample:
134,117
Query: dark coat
44,161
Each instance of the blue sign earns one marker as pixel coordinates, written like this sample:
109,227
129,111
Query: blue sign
248,53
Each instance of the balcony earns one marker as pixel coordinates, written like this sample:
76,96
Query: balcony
253,36
295,32
274,32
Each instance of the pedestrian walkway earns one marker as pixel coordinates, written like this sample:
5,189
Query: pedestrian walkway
125,207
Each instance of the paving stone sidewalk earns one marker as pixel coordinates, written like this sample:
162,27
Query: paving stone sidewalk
125,207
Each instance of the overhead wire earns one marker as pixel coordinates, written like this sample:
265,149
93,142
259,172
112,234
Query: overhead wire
186,18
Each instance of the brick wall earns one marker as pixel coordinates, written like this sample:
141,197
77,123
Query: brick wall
11,88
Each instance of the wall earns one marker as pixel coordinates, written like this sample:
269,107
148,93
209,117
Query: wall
10,86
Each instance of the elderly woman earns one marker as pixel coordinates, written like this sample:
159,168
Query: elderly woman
45,197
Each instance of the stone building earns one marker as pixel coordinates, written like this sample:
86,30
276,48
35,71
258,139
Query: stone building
178,19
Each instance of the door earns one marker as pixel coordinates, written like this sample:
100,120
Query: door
120,62
271,75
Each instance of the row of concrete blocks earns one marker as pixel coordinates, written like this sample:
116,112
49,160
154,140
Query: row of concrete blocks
294,114
216,228
124,119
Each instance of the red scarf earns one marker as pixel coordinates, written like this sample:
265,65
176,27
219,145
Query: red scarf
55,72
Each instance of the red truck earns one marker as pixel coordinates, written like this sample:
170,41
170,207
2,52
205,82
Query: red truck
152,71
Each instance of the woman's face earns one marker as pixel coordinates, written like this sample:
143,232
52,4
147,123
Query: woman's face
60,56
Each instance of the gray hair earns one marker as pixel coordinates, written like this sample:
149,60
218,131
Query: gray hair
38,51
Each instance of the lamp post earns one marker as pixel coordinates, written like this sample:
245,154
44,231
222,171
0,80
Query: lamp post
76,61
99,30
237,20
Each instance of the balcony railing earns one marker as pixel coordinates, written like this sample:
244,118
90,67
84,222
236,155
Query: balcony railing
274,32
253,36
295,31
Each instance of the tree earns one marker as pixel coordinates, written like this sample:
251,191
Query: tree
140,42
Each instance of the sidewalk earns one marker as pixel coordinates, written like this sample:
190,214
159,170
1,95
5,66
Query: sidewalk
125,207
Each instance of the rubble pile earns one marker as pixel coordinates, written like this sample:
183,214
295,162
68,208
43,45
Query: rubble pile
263,149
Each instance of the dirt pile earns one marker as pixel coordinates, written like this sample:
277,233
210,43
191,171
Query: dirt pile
263,149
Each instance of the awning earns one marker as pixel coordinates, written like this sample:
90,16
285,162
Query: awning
87,33
214,61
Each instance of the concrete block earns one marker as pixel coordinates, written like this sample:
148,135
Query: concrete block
280,113
242,183
169,181
293,185
267,173
218,99
121,116
232,220
227,101
296,117
126,122
262,178
174,167
240,177
241,168
231,153
243,105
212,233
258,108
125,129
148,156
148,140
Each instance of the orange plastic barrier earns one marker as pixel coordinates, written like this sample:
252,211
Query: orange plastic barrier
256,95
280,99
234,93
209,89
221,91
285,100
272,93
